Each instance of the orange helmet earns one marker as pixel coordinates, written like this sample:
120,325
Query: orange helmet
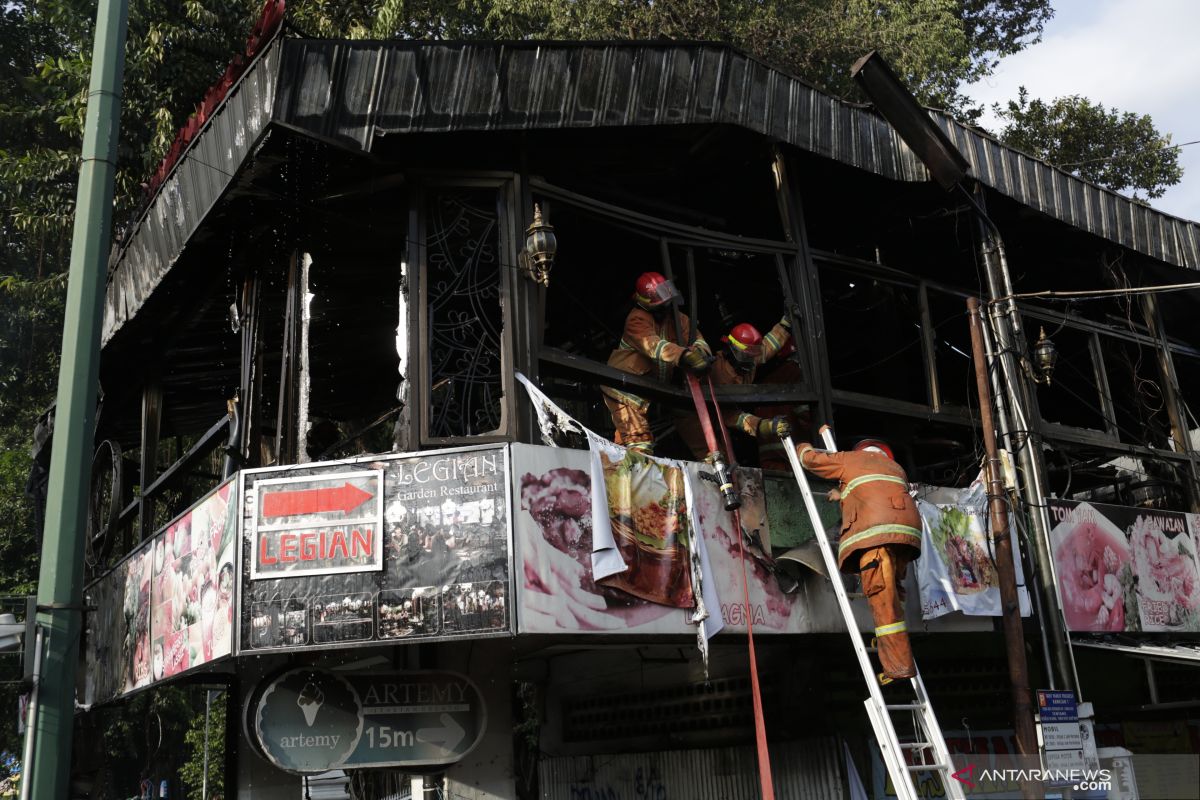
653,290
875,446
745,343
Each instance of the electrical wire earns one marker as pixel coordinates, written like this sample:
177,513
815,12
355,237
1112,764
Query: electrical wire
1084,294
1120,156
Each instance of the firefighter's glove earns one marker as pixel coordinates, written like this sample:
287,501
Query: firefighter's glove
778,427
789,313
696,361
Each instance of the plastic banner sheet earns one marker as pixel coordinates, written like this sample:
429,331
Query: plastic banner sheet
957,570
1125,569
168,607
376,550
191,598
553,529
118,631
640,513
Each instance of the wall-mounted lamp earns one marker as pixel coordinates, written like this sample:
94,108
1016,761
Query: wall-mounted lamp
1045,356
537,259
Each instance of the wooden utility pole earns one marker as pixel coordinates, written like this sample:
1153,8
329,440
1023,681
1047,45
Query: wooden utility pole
1014,634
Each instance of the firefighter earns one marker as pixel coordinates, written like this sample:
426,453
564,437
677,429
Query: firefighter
745,350
649,346
881,533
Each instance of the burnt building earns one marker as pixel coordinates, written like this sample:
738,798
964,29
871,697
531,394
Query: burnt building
333,273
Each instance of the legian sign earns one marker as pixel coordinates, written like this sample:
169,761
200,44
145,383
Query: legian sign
319,571
318,525
311,720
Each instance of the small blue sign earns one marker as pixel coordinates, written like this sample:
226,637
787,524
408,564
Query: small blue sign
1057,706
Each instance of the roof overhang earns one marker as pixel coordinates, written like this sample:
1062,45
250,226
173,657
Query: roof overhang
353,93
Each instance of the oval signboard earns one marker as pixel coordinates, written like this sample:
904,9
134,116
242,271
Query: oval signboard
313,720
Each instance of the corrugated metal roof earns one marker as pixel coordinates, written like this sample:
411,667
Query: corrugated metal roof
352,92
200,177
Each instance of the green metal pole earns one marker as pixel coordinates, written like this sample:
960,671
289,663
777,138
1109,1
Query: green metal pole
60,590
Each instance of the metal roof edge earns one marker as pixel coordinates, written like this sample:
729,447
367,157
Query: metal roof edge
189,192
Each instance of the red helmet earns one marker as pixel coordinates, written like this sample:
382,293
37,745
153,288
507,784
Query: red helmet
653,290
877,446
745,343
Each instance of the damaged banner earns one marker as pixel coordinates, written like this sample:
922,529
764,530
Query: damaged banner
645,541
556,593
640,528
564,499
956,571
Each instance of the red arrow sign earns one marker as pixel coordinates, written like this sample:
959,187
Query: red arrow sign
344,498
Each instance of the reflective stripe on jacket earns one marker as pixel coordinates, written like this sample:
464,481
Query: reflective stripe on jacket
647,347
876,507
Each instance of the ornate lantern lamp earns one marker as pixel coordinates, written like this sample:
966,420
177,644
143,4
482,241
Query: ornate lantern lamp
537,259
1045,356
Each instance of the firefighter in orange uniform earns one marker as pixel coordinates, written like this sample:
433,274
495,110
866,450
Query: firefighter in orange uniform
745,350
649,347
881,533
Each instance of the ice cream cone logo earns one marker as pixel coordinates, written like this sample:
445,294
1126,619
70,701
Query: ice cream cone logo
310,701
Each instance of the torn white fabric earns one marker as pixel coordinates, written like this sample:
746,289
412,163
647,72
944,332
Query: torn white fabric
553,422
606,558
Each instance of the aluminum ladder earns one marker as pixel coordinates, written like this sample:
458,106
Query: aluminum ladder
930,753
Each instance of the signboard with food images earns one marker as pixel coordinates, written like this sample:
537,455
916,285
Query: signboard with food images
956,570
310,720
434,564
1125,569
557,592
168,607
118,630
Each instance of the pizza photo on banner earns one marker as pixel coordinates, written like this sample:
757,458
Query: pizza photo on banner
648,520
375,550
1125,569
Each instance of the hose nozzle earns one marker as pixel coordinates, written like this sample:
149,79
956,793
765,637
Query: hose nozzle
729,492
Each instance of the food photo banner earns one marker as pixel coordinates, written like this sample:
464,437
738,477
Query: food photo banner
957,569
376,550
1125,569
168,607
556,588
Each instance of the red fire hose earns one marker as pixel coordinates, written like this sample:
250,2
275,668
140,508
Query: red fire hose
729,491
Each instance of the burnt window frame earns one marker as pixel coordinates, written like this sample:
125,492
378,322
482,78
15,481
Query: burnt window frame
934,407
1099,332
417,311
669,235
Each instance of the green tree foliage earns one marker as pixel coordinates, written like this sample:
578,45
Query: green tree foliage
192,771
1120,150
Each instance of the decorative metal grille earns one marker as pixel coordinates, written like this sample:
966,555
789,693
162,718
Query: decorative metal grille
464,315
